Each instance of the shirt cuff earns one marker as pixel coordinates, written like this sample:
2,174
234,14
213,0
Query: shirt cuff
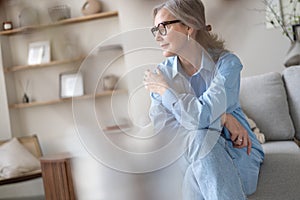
169,98
216,125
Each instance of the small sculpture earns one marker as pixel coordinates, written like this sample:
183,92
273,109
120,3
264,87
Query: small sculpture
25,98
109,82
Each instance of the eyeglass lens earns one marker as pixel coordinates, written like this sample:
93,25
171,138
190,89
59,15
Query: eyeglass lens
161,28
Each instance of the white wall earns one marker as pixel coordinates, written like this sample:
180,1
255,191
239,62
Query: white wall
5,128
236,21
4,112
242,26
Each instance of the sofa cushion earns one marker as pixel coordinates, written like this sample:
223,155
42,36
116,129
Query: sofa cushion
291,77
263,99
279,178
273,147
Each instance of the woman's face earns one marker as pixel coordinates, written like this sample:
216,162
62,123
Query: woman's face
176,36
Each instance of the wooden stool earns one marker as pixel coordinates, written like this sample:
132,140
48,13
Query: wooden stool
57,177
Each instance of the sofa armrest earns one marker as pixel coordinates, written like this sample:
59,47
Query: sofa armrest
291,77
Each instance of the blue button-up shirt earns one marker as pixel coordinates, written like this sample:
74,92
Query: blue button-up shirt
197,102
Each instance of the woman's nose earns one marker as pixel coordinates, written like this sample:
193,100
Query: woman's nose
158,36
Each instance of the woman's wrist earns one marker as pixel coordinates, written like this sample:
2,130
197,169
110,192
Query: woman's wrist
223,119
162,90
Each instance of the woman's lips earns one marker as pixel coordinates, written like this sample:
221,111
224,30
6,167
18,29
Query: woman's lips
164,46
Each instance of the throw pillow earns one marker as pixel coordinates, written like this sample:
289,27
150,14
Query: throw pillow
16,160
264,99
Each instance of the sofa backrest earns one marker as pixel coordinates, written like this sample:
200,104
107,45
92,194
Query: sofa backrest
264,99
291,78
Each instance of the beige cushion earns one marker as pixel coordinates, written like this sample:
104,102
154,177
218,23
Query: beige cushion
259,135
16,160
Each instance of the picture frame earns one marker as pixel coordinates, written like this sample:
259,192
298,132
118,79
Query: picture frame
71,84
38,52
296,32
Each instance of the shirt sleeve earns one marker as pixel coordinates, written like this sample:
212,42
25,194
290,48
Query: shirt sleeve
206,111
163,120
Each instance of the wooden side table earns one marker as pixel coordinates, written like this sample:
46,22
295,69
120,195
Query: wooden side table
57,177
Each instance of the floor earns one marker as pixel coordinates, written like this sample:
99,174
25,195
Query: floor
26,198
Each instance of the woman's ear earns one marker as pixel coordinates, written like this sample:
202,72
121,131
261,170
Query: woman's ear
190,30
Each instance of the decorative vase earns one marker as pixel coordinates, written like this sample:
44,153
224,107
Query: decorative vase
91,7
293,55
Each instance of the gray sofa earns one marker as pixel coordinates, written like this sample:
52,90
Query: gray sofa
272,100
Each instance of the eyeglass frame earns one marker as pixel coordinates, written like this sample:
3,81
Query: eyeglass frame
156,29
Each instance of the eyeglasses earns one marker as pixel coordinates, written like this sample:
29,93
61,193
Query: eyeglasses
161,27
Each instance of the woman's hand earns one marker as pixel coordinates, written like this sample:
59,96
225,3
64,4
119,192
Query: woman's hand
155,82
239,135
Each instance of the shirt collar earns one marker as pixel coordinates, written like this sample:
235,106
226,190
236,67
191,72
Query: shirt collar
206,63
175,68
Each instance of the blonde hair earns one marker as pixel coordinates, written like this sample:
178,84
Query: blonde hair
192,14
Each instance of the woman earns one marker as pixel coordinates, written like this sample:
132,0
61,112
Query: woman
197,89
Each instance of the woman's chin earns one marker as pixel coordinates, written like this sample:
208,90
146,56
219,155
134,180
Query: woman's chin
168,54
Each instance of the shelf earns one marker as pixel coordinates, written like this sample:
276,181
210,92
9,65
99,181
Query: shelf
116,128
62,22
60,62
56,101
52,63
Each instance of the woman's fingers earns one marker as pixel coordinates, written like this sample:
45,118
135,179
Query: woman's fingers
239,135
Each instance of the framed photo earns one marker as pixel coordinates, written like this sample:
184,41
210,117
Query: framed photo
38,53
296,32
71,84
